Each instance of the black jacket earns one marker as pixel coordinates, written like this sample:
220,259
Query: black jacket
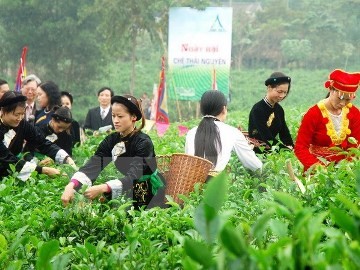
93,119
136,160
24,132
64,140
267,123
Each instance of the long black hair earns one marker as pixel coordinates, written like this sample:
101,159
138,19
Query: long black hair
207,137
52,91
62,114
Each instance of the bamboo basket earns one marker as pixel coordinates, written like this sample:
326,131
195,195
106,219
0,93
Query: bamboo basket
182,172
163,164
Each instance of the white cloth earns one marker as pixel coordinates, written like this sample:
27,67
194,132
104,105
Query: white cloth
82,178
336,119
118,150
60,156
116,188
104,112
26,171
105,128
231,140
52,137
8,136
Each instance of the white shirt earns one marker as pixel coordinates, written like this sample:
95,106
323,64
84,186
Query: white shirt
231,140
106,111
29,110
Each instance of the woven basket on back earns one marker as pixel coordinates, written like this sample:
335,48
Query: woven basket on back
182,173
163,164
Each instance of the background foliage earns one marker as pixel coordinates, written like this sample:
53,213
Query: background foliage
86,44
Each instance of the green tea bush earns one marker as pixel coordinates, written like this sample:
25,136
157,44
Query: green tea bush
240,220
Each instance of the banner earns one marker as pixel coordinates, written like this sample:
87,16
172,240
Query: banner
21,74
199,51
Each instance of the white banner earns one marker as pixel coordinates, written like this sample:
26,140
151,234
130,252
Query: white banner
199,51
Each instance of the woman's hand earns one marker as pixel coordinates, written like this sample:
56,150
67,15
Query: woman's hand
68,194
317,165
50,171
94,191
71,162
46,162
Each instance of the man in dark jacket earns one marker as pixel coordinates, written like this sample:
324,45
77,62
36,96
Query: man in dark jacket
100,116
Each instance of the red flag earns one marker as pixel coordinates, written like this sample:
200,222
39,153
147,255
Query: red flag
162,110
161,128
21,74
214,83
182,130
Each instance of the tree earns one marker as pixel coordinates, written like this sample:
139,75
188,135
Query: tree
244,31
296,51
61,47
125,21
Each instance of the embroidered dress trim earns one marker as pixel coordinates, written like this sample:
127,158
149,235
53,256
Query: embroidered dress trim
270,120
211,116
267,102
344,127
52,137
155,181
118,150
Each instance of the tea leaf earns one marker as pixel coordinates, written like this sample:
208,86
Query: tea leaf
233,240
46,252
261,224
215,192
287,200
345,221
278,227
199,252
208,228
3,243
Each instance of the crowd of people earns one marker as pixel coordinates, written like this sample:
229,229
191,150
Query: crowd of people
37,128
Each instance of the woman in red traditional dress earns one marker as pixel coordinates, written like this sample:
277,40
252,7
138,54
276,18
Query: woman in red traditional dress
332,126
